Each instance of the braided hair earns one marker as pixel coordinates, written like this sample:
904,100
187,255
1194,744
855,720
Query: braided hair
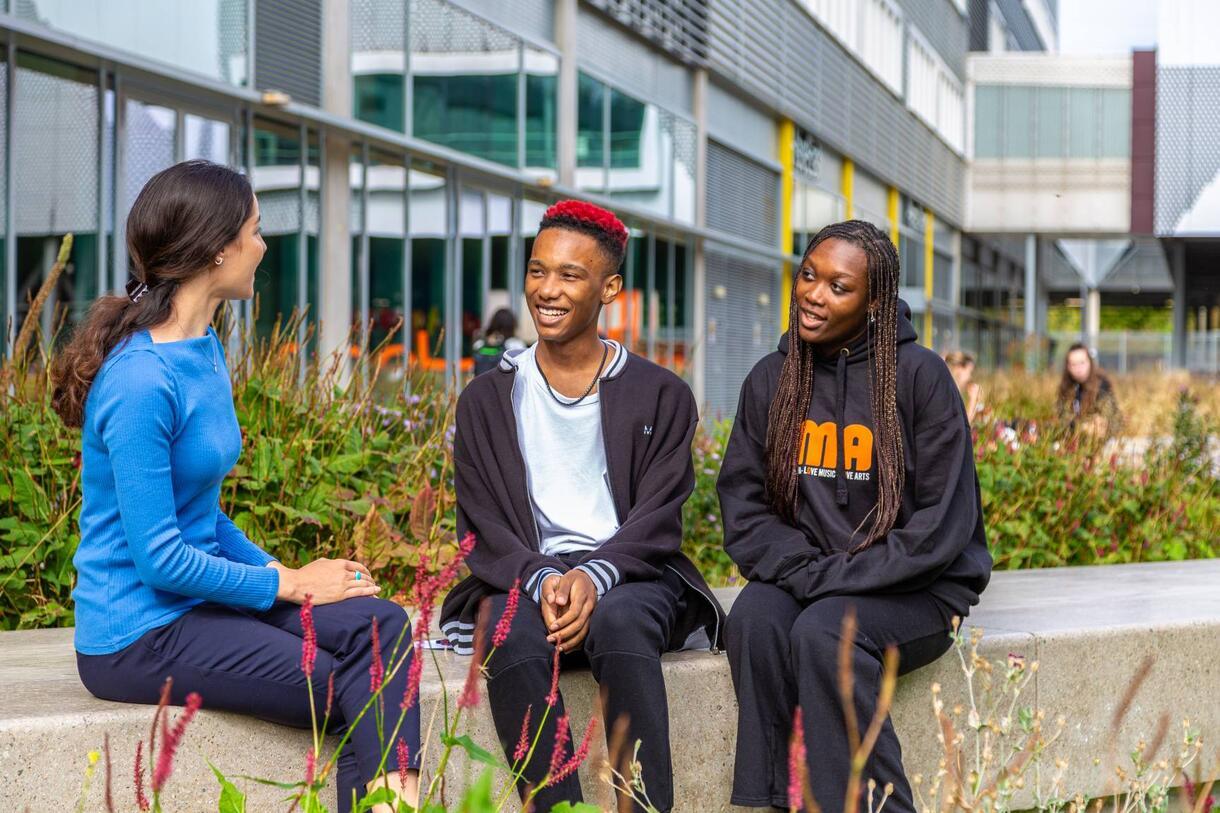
786,418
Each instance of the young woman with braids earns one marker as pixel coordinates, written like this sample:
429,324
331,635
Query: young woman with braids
167,585
848,486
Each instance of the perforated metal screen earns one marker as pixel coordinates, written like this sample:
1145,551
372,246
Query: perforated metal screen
742,326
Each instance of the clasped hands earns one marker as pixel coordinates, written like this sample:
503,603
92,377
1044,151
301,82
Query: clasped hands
567,605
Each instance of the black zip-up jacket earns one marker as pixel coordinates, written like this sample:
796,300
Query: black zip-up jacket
648,422
937,543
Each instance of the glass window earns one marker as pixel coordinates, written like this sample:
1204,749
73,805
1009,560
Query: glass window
378,99
988,121
429,227
149,146
627,130
1018,114
207,37
1050,129
911,256
541,121
286,284
379,61
54,173
590,124
1115,123
206,138
464,82
1083,122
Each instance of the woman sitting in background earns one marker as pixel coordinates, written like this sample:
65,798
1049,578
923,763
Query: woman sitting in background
1086,401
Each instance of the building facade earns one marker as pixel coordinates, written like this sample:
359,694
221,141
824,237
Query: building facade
404,150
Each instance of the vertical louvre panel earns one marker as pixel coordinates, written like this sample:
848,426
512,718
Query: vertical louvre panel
742,196
774,50
741,329
288,48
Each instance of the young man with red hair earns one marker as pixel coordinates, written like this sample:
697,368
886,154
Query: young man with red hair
572,462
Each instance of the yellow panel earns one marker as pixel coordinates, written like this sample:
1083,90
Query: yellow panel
929,255
847,187
892,213
787,160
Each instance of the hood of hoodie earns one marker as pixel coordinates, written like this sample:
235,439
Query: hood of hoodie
857,351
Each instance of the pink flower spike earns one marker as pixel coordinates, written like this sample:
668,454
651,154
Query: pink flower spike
523,744
141,799
309,637
553,697
376,667
171,740
561,741
330,694
578,758
311,764
505,624
796,761
414,674
404,762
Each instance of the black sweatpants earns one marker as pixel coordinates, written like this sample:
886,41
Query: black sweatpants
628,631
783,654
250,662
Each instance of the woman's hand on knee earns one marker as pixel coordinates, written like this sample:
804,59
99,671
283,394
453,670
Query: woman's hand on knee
326,580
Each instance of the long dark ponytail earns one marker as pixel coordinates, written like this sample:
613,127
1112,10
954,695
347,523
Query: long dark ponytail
182,218
786,419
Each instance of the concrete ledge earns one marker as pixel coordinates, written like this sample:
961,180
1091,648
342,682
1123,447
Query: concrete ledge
1089,627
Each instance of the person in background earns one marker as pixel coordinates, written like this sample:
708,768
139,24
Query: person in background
961,365
1086,401
498,336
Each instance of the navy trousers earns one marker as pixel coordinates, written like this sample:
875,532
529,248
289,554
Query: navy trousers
250,662
628,631
783,653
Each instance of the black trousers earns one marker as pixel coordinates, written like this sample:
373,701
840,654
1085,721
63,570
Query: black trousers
628,631
250,662
783,653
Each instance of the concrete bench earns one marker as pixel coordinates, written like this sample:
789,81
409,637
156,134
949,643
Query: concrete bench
1089,628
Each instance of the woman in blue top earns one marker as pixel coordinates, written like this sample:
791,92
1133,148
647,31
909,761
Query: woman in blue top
167,585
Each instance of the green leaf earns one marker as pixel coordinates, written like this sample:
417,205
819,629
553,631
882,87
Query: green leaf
232,800
478,796
578,807
474,750
380,796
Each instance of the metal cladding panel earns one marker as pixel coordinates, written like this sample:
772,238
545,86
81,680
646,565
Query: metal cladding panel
1187,149
529,18
741,125
980,12
1143,141
775,51
633,65
944,27
678,27
288,48
743,326
1020,25
742,196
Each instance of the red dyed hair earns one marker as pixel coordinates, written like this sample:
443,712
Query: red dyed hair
600,224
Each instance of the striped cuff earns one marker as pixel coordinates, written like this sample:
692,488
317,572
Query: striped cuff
533,587
603,574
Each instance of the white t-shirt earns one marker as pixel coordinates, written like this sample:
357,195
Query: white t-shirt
565,461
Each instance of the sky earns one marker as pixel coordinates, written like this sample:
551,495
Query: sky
1107,26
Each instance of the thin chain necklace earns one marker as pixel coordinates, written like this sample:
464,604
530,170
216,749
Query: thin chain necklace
592,384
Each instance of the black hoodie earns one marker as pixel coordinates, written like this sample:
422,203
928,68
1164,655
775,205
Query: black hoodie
937,543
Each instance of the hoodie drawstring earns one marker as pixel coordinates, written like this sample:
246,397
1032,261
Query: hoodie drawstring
840,408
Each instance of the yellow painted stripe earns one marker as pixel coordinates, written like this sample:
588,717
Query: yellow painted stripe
893,214
787,160
847,185
929,256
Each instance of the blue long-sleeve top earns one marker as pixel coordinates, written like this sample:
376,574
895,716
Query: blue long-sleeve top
159,435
